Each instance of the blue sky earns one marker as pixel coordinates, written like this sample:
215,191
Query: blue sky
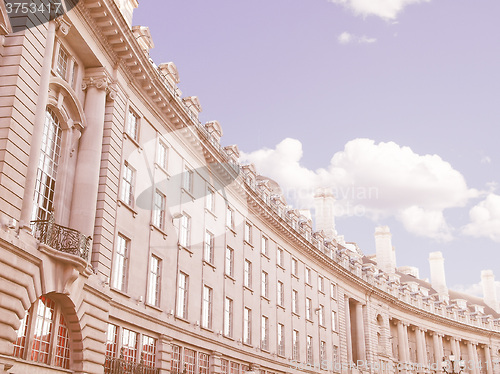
395,96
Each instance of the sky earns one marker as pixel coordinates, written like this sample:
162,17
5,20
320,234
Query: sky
393,104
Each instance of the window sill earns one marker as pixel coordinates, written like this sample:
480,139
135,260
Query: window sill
124,204
43,368
157,308
266,299
228,337
249,345
309,285
205,262
186,249
309,320
295,276
154,227
182,319
209,329
281,267
164,170
296,315
135,142
248,288
321,292
265,255
211,213
230,277
231,230
248,243
123,293
280,307
189,193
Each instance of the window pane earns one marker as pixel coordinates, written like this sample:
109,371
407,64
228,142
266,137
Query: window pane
61,358
120,265
43,330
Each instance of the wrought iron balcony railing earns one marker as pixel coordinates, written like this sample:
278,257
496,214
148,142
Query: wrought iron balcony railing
61,238
120,365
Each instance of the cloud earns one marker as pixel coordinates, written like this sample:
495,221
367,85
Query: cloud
386,9
346,38
475,289
485,219
375,179
486,160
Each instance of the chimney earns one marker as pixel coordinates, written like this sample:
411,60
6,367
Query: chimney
386,258
489,289
438,279
324,204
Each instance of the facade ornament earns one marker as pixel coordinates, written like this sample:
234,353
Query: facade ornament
101,83
62,26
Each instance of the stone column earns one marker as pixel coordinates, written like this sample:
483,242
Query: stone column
455,346
360,329
84,200
488,363
215,365
420,346
406,342
165,354
348,330
476,358
401,343
38,126
471,363
438,349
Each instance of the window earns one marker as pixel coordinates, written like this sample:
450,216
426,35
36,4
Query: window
159,210
281,294
280,257
295,302
43,201
129,345
162,155
228,317
206,309
309,348
335,357
127,192
248,274
295,346
120,263
229,261
182,295
189,361
321,286
248,233
47,337
235,368
230,218
224,366
210,200
321,315
295,267
333,291
185,231
322,353
176,359
187,183
149,351
203,363
281,339
334,320
111,346
265,285
247,326
308,308
209,247
62,63
308,276
264,247
265,333
133,125
74,73
154,281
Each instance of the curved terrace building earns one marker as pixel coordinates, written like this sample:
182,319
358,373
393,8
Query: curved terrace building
132,241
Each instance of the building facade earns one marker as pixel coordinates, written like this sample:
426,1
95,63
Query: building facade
132,241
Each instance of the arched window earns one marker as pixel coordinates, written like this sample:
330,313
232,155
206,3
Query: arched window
47,167
43,335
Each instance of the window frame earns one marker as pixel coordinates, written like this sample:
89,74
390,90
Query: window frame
133,133
181,310
121,263
159,209
127,196
207,307
154,281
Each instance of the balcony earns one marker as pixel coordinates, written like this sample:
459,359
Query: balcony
120,365
62,239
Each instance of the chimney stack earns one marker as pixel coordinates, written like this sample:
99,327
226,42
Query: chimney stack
438,279
489,289
324,205
386,257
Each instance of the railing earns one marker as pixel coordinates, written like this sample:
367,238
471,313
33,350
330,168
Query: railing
60,238
114,365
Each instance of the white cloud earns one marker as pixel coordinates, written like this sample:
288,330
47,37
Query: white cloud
485,219
378,180
486,160
386,9
346,38
475,289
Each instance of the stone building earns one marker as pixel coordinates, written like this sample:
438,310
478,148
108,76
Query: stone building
130,239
